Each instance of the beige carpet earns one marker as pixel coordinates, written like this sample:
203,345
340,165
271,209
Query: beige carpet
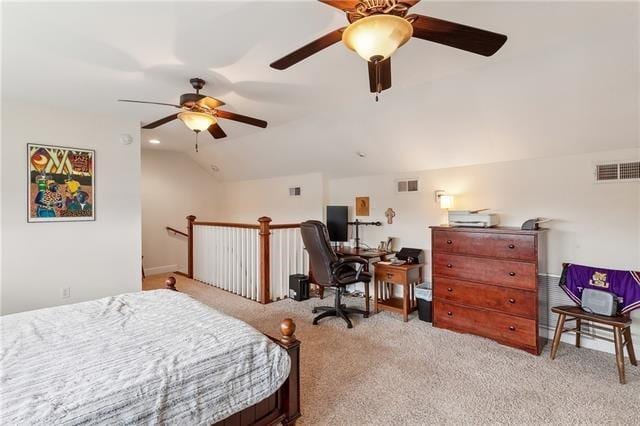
387,372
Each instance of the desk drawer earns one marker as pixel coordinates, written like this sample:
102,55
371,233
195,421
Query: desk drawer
504,299
497,272
507,329
390,276
504,246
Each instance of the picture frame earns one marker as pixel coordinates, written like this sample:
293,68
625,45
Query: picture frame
60,184
362,206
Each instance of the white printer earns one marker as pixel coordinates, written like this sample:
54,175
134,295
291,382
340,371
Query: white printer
473,218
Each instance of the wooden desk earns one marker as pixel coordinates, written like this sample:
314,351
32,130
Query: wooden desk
405,275
368,254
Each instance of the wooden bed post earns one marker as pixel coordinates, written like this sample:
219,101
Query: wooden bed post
265,273
191,219
170,284
290,390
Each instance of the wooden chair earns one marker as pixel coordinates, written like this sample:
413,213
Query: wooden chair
621,325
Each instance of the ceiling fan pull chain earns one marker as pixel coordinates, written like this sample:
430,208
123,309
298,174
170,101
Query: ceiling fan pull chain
197,141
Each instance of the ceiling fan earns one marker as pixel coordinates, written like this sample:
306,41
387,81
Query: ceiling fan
200,113
377,28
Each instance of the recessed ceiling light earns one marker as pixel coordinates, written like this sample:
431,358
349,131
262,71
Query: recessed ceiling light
215,168
361,154
154,141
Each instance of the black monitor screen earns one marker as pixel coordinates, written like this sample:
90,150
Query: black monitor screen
337,218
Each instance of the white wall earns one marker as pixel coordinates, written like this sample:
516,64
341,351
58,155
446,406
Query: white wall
245,201
94,259
173,187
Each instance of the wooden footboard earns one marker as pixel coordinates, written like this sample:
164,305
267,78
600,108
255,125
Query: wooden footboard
284,405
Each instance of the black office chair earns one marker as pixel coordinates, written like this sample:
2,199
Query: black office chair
329,270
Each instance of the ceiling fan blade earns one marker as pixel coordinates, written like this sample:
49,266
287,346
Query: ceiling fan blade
145,102
309,49
459,36
384,68
160,122
341,4
216,131
351,4
211,103
241,118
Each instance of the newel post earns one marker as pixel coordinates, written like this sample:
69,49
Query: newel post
265,273
190,219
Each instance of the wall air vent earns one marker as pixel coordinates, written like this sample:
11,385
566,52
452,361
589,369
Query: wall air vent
408,185
295,191
618,171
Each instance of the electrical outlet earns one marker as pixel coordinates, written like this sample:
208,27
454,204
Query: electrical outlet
66,292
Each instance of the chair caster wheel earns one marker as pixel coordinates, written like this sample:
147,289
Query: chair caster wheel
315,322
365,316
314,311
349,325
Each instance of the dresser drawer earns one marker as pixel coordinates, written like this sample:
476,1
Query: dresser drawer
505,246
511,330
498,272
505,299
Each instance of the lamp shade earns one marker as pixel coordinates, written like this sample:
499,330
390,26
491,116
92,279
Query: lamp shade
446,201
197,121
377,36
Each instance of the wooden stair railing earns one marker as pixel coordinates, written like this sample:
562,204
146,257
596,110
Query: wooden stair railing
175,231
264,228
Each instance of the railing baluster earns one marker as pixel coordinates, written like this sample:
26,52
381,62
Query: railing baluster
252,260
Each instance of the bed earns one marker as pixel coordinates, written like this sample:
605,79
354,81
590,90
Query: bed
153,357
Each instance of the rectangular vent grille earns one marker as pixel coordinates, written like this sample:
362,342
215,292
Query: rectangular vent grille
410,185
617,172
630,170
295,191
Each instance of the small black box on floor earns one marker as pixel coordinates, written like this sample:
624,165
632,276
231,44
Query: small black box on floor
299,287
425,310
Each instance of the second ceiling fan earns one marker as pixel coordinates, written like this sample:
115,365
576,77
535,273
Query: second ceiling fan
200,112
377,28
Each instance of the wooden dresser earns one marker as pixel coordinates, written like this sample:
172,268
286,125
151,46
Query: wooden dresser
485,282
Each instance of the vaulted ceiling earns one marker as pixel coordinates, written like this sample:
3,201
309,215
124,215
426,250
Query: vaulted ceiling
565,82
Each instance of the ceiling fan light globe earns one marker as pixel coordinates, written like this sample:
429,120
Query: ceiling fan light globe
377,36
197,121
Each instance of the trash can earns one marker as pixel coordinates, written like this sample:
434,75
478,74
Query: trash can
424,297
299,287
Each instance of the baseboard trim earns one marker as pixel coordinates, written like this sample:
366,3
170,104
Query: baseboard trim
160,269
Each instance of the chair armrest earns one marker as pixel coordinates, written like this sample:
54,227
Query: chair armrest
346,261
353,259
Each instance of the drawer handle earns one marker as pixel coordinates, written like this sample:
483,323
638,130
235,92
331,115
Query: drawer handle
511,246
512,274
450,313
449,265
449,242
449,289
512,300
389,275
512,328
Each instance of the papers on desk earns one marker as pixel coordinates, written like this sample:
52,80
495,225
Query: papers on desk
394,262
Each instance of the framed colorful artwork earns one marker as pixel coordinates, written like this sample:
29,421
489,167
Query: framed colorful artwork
61,185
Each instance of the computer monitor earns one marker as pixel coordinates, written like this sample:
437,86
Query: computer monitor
337,223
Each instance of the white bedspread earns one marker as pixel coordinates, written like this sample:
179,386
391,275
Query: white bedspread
141,358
